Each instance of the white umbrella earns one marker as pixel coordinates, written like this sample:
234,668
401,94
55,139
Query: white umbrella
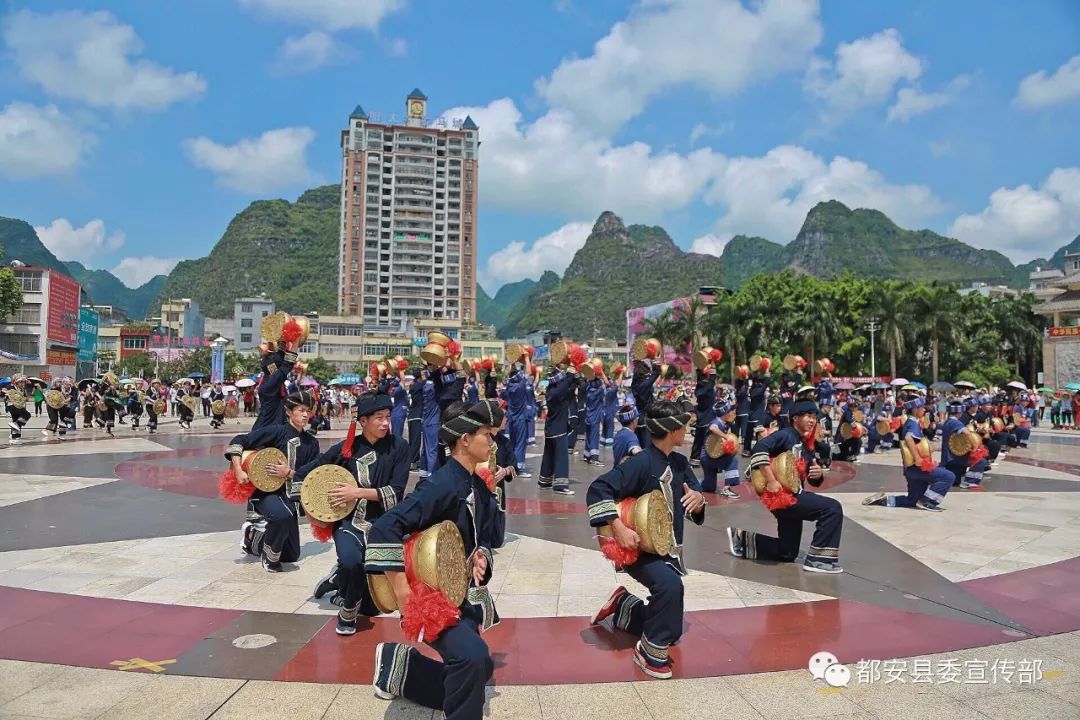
1018,385
245,383
899,381
228,388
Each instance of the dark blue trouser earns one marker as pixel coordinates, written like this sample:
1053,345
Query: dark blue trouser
930,486
415,433
700,433
397,424
555,464
725,465
828,515
644,437
280,541
748,432
519,438
959,469
659,622
498,520
531,422
430,460
592,439
350,545
574,423
607,427
455,685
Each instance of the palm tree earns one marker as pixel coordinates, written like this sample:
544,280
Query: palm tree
891,306
819,322
724,325
937,313
664,328
690,319
1018,327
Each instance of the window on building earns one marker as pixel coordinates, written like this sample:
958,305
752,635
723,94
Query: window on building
26,315
134,343
21,344
245,307
245,337
245,322
265,313
29,279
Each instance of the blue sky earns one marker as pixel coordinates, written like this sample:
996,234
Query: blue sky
132,132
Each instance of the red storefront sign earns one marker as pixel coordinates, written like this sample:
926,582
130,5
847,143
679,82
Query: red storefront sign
63,318
1063,331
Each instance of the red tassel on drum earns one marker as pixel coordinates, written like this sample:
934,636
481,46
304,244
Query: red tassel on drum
856,432
321,531
232,490
977,455
927,464
576,356
427,613
782,498
616,553
453,348
485,474
729,447
291,331
716,355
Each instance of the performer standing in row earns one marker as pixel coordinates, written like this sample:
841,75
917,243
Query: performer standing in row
642,386
828,515
456,684
516,395
705,398
217,406
276,366
156,393
555,463
530,404
379,460
399,414
611,407
759,389
593,417
272,532
658,623
414,419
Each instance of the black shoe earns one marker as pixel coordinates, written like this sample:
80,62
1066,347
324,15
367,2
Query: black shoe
345,627
562,490
544,483
384,666
326,584
273,567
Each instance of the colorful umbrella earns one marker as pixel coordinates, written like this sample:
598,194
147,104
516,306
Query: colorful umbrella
899,381
1043,390
942,386
309,381
845,385
1073,386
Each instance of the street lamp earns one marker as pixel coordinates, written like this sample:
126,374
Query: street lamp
873,326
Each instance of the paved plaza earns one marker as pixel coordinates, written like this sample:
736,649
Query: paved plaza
124,594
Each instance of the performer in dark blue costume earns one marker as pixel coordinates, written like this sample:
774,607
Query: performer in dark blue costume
530,401
272,531
927,481
555,463
642,384
454,492
593,417
415,416
379,460
516,395
659,623
759,390
626,443
611,407
400,412
276,366
705,398
726,465
824,552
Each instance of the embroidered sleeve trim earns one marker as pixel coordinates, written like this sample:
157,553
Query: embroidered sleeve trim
235,449
387,497
759,459
291,357
385,557
603,510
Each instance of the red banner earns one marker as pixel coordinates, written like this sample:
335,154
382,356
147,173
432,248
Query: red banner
63,318
60,357
1062,331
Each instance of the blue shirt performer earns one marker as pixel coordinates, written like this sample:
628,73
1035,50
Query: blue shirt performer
453,493
276,366
828,515
657,624
705,398
611,407
516,395
727,464
927,481
626,443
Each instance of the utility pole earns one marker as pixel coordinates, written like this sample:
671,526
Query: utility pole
873,326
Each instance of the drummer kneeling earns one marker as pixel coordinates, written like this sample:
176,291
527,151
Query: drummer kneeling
824,552
655,561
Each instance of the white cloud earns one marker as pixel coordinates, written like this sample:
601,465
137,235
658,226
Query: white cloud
92,58
83,244
134,271
1039,90
309,52
275,159
398,47
864,73
517,261
910,101
941,149
38,141
710,244
770,195
329,14
551,164
719,46
701,130
1026,222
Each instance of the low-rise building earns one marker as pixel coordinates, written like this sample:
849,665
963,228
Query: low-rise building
248,314
184,320
42,337
989,291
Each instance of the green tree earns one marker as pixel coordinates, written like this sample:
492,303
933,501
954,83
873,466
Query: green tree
137,365
891,306
321,370
690,322
11,294
664,328
817,317
936,313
